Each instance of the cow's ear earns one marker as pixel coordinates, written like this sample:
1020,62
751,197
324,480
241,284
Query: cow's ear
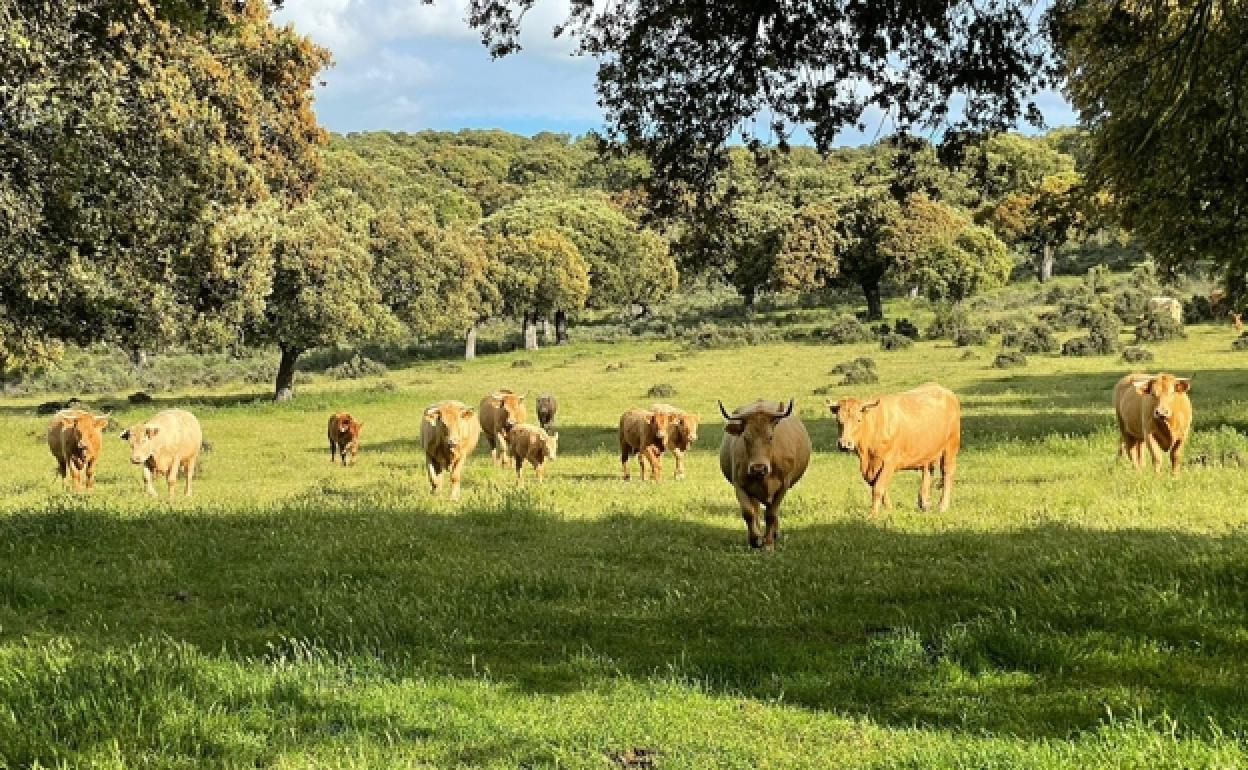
151,430
735,427
1182,384
359,424
519,398
873,403
102,422
834,406
431,416
125,435
1143,387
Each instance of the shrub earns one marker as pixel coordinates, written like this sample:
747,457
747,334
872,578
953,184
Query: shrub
139,398
949,319
1135,354
860,377
845,330
521,363
662,390
970,335
1198,309
861,362
1002,325
664,356
615,366
1009,359
896,342
711,335
883,330
823,390
1158,326
358,366
1102,338
1130,304
906,328
1037,338
968,355
1241,342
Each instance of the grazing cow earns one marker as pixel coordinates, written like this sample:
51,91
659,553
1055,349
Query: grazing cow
681,434
909,431
448,433
529,442
344,437
1237,321
500,411
1153,410
1216,298
1166,306
75,436
164,445
765,451
645,434
547,408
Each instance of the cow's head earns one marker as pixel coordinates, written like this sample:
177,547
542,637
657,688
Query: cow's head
850,414
512,407
142,439
452,423
88,433
660,428
757,427
1165,390
552,445
684,429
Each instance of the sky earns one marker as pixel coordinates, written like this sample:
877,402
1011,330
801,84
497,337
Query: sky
401,65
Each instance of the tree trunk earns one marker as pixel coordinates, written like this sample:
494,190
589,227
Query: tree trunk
748,296
914,292
875,304
286,375
530,332
1045,272
470,343
548,332
138,358
561,327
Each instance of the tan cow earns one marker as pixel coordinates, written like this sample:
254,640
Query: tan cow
529,442
765,451
165,445
344,437
499,413
547,409
906,431
448,433
1166,306
644,433
1153,410
682,432
75,436
1237,321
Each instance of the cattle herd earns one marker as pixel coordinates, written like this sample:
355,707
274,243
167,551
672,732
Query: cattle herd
765,450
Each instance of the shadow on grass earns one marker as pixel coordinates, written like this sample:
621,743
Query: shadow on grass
1037,633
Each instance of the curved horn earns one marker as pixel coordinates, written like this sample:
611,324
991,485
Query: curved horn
722,410
788,411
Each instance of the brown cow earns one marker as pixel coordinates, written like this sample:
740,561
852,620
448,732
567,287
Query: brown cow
529,442
1153,410
1237,321
765,451
164,445
500,411
644,433
903,432
448,433
682,432
547,408
75,436
344,437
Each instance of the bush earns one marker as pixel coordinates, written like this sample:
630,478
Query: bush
139,398
883,330
664,356
1002,325
1010,359
1157,326
845,330
1241,342
949,319
1102,338
521,363
662,390
355,368
861,362
1136,355
1037,338
906,328
896,342
970,335
1198,309
860,377
711,335
1130,304
968,355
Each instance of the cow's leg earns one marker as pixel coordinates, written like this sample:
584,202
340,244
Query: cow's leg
773,520
925,489
519,470
540,468
624,455
1154,449
948,468
148,486
333,451
62,470
655,457
1136,451
171,477
641,464
679,456
749,511
190,474
435,475
90,473
879,488
1176,457
457,476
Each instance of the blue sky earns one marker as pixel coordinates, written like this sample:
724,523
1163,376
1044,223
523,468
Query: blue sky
402,65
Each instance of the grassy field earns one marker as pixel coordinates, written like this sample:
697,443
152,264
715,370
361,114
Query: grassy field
1067,612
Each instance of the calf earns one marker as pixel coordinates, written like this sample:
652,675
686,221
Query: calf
682,432
765,452
644,433
499,413
344,438
903,431
448,433
529,442
75,437
547,408
165,445
1153,410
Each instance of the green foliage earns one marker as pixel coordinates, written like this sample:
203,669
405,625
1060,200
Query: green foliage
541,272
809,254
356,368
1102,338
1035,337
1137,355
1240,342
966,336
1156,326
845,330
896,342
948,321
662,390
1009,359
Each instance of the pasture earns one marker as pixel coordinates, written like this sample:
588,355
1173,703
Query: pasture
1066,612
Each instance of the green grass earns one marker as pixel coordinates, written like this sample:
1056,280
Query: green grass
1066,612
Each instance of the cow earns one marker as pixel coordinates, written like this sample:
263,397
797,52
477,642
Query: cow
1237,321
645,434
75,436
448,433
1216,298
765,452
682,432
530,442
547,408
165,445
906,431
344,438
500,411
1166,306
1153,410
